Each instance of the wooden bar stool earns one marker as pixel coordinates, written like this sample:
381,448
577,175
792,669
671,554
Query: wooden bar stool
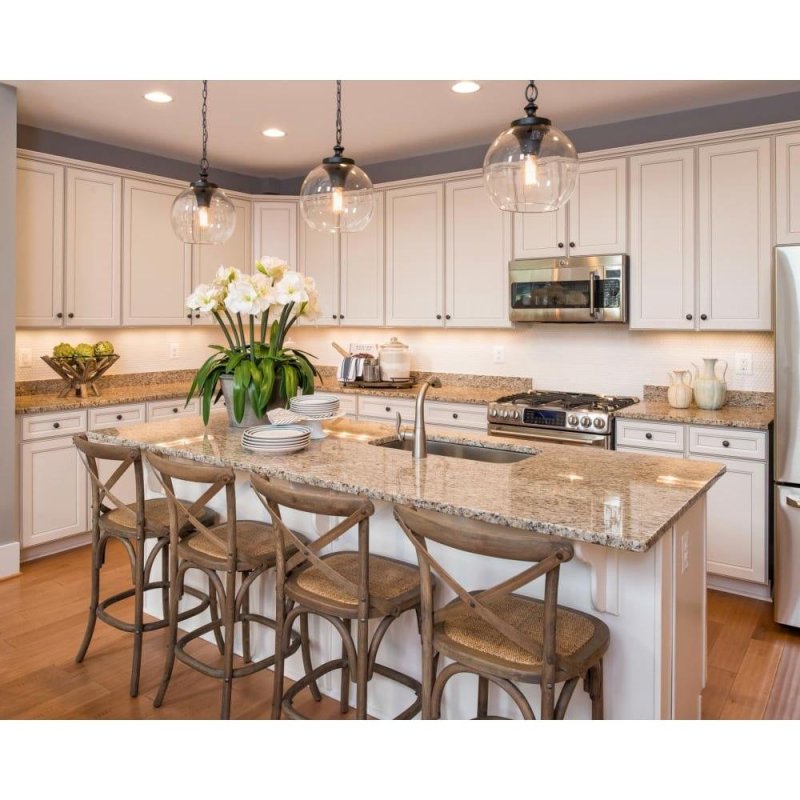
497,635
235,547
338,587
132,524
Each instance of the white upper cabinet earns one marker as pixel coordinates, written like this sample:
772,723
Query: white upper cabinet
477,251
735,252
235,252
156,265
540,235
415,255
40,243
787,188
361,272
597,209
93,249
319,258
662,257
275,230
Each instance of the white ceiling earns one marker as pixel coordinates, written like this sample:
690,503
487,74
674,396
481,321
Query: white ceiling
383,120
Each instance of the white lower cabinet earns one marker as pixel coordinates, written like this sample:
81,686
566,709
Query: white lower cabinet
158,410
462,416
736,507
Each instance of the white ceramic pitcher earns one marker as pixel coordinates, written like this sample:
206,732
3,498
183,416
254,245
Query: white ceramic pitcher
679,393
709,390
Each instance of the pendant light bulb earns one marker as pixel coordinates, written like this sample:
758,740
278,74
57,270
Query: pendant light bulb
203,214
532,166
337,196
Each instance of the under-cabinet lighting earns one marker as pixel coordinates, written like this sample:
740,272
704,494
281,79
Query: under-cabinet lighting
158,97
465,87
273,133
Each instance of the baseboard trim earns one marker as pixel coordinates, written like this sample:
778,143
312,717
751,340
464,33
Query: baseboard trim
9,560
57,546
758,591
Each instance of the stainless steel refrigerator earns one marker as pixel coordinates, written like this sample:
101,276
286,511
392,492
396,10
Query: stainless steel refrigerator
786,466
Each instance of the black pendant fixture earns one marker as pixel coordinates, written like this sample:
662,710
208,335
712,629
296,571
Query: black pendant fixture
203,214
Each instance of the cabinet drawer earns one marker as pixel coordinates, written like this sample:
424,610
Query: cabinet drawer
649,435
347,403
644,452
728,442
60,423
385,408
456,414
111,416
172,409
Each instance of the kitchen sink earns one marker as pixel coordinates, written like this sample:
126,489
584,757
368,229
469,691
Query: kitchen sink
471,452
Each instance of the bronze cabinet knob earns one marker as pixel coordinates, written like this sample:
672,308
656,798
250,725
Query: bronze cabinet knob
689,317
119,416
59,315
648,436
703,316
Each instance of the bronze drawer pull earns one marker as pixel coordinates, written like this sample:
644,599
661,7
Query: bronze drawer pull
388,408
119,416
455,416
648,436
726,443
56,424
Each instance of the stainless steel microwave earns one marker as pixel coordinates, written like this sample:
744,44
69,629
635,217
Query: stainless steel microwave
581,289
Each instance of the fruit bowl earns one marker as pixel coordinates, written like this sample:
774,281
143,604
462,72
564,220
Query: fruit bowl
80,372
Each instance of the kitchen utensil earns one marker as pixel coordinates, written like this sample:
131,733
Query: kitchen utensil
709,390
395,360
679,393
340,350
372,370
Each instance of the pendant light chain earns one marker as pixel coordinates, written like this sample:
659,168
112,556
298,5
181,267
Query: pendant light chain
204,159
531,95
338,149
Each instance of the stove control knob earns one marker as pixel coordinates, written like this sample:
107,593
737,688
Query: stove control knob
572,419
599,423
586,422
493,412
505,414
517,415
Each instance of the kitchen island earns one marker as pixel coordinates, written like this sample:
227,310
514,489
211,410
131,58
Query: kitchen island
637,524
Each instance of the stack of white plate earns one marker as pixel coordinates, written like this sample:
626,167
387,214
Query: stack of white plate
276,439
315,406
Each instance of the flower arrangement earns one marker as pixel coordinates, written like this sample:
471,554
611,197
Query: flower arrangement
255,313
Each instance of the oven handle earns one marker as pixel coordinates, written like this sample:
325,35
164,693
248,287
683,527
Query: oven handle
593,310
595,441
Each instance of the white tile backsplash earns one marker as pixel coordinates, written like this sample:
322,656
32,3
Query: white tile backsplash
594,358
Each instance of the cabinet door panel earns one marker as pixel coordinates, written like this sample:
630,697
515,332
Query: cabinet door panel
236,252
415,256
540,235
40,243
361,274
737,521
734,235
787,188
275,230
93,249
157,266
662,241
54,491
319,258
478,247
597,209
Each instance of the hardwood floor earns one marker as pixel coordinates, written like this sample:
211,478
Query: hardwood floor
753,664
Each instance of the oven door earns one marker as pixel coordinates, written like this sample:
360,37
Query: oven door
554,436
587,289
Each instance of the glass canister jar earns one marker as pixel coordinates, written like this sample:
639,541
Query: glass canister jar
395,360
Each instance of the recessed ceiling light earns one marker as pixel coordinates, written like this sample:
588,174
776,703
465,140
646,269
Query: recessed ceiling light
273,133
158,97
465,87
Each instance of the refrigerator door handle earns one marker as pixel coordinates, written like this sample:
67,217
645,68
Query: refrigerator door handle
793,501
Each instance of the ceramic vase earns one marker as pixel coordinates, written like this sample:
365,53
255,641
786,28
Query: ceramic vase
679,393
249,419
710,390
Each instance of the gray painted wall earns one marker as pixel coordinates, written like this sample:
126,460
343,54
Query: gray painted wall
8,233
711,119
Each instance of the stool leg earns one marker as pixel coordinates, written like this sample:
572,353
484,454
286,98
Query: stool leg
281,642
344,691
213,609
165,578
596,689
169,662
246,624
305,649
483,697
94,598
138,616
362,668
229,616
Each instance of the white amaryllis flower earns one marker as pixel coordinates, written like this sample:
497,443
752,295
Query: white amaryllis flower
226,275
272,267
312,309
243,297
291,289
265,291
206,298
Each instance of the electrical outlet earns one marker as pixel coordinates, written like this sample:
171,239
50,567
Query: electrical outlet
24,357
498,354
744,364
174,350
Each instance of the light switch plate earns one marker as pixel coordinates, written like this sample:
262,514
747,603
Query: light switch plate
744,364
24,357
173,350
498,354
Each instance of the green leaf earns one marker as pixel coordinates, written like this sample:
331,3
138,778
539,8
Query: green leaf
241,380
306,375
208,392
255,373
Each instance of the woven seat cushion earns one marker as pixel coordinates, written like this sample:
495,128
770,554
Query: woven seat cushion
388,579
156,514
466,628
255,542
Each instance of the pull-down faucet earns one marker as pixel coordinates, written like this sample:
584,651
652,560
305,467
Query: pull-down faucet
420,441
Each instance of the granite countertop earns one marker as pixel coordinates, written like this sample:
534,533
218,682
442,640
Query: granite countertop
619,500
479,395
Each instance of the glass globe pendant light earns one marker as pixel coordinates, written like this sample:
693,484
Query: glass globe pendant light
337,195
203,214
532,166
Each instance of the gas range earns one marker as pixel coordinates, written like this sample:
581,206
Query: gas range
570,417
